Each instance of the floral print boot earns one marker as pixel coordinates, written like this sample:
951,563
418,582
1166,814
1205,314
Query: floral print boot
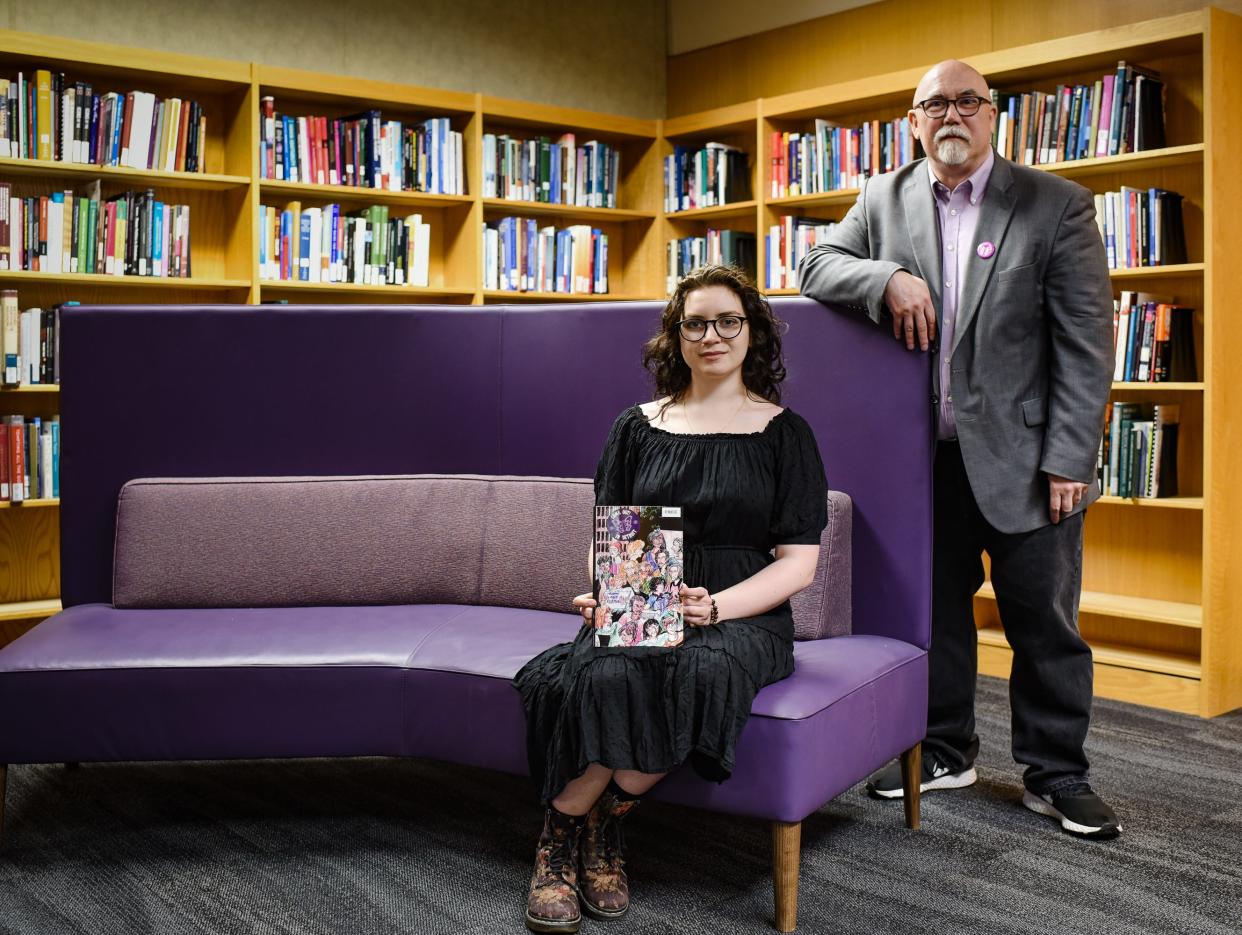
602,885
552,905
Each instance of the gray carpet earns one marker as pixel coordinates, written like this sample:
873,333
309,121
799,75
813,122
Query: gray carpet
383,846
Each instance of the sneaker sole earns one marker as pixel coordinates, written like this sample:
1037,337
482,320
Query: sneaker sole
951,781
1040,807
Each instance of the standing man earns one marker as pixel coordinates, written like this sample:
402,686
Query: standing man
998,272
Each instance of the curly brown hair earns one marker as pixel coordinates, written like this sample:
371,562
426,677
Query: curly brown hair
762,370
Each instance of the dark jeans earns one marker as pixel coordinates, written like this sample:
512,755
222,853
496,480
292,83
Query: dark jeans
1037,576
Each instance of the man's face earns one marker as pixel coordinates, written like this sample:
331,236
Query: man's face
953,139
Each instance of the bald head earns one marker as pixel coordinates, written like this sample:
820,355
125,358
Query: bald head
952,116
949,79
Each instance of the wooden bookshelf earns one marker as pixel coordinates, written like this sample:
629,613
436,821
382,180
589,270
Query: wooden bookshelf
1160,608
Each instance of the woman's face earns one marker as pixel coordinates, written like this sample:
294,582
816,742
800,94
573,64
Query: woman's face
657,540
651,628
714,357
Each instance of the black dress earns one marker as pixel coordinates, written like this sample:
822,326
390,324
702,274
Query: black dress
651,709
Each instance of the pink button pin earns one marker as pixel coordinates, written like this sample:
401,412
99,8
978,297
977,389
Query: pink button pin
986,249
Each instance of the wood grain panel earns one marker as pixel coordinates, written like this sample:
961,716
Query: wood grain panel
29,554
1222,636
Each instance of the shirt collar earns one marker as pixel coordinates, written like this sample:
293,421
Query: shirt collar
977,180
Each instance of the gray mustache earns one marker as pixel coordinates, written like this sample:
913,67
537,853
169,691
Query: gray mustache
946,132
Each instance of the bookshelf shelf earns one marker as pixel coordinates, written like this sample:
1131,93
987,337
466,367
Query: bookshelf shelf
1165,503
29,610
349,194
738,209
1158,272
501,295
37,388
138,178
777,292
1147,160
1157,387
30,504
1111,654
18,278
500,207
841,196
1128,607
338,289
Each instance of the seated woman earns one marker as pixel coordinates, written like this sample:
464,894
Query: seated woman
604,725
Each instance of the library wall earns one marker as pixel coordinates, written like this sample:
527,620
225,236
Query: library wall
606,56
886,37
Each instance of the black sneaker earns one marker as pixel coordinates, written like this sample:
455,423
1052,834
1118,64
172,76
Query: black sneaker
1079,810
886,784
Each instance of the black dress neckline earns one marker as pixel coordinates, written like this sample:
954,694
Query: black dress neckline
637,409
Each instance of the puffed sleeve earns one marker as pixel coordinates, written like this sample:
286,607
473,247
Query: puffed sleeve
800,509
614,475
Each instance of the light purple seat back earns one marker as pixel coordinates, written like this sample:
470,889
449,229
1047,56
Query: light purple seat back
228,391
427,539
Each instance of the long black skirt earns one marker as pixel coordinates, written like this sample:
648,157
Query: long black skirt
643,708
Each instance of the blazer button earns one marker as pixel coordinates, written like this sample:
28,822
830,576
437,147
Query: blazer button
935,400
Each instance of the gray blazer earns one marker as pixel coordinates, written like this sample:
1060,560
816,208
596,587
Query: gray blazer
1032,355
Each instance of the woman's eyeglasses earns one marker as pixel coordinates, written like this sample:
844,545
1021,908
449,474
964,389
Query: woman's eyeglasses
726,326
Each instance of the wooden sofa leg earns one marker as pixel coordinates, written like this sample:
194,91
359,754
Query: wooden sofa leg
786,847
911,780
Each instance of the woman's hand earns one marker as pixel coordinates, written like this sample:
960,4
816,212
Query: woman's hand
585,605
696,606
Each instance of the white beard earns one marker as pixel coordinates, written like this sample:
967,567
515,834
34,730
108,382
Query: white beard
952,150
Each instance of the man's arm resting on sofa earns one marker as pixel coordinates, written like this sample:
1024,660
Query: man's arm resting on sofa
841,272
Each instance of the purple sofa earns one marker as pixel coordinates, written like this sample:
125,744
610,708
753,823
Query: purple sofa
212,621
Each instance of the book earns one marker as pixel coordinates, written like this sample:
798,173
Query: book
636,576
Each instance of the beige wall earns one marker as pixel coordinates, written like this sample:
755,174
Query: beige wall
886,37
605,55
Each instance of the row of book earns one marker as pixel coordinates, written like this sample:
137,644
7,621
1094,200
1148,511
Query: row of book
361,151
29,458
1154,340
1122,112
831,158
1138,453
705,177
326,244
520,256
128,234
29,342
718,248
1141,227
560,173
47,116
787,242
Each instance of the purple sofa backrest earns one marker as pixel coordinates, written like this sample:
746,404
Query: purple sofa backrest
219,391
419,539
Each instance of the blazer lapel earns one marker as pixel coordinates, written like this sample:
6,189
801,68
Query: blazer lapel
994,218
924,230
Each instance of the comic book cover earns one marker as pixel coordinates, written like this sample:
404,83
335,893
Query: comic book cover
637,557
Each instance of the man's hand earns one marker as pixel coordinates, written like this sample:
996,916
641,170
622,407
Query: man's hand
911,306
696,606
1063,496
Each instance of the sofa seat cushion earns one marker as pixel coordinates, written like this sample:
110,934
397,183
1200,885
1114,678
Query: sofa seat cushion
852,703
98,683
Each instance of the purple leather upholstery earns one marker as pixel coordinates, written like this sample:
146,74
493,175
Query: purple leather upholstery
414,680
344,391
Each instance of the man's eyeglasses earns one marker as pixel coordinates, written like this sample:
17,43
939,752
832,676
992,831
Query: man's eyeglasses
695,329
967,105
